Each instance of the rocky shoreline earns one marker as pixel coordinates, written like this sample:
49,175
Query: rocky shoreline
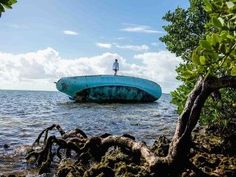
213,154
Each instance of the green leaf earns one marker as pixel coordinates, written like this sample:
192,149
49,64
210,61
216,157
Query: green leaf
205,44
223,35
209,38
230,4
7,6
195,58
1,9
214,56
230,36
4,1
202,60
215,39
233,71
207,6
216,22
13,1
221,21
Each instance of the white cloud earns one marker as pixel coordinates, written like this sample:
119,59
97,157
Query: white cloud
16,26
139,48
69,32
160,66
140,29
104,45
38,70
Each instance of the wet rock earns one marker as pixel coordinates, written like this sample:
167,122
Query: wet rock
161,146
6,146
213,154
229,145
68,167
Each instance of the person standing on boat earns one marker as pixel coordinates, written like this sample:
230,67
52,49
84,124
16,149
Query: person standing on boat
115,67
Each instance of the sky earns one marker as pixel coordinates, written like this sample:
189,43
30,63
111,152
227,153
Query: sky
44,40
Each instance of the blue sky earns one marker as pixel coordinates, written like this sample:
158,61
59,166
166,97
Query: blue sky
84,28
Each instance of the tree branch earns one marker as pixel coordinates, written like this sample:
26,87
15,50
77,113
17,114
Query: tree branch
210,85
183,118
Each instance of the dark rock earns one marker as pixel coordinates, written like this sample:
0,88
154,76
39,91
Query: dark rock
6,146
161,146
229,145
201,159
129,136
230,172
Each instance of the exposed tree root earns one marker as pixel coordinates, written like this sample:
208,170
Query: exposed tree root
89,151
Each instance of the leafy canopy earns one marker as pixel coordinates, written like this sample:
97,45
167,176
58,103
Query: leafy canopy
185,29
204,35
6,4
216,56
216,53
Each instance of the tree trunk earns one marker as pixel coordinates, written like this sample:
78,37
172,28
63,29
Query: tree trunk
181,142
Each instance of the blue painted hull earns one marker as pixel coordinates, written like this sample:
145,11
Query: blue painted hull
109,88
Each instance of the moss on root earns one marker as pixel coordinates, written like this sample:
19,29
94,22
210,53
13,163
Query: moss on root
211,155
74,154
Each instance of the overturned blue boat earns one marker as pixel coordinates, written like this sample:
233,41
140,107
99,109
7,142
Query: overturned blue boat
109,88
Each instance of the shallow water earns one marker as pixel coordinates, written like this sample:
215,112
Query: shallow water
24,114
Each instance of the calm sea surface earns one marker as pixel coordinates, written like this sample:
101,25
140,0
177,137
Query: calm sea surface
24,114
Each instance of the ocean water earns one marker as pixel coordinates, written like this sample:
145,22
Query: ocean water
24,114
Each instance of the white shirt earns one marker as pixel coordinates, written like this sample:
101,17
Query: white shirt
115,66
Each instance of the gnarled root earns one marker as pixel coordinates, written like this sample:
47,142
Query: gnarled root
58,127
90,151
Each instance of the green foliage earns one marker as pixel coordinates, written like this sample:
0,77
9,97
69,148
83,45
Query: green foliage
6,4
216,54
207,50
220,112
185,29
219,51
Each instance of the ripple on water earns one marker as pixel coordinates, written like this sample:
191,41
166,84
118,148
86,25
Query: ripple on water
24,114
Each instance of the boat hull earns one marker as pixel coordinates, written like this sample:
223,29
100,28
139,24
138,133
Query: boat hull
121,94
108,88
